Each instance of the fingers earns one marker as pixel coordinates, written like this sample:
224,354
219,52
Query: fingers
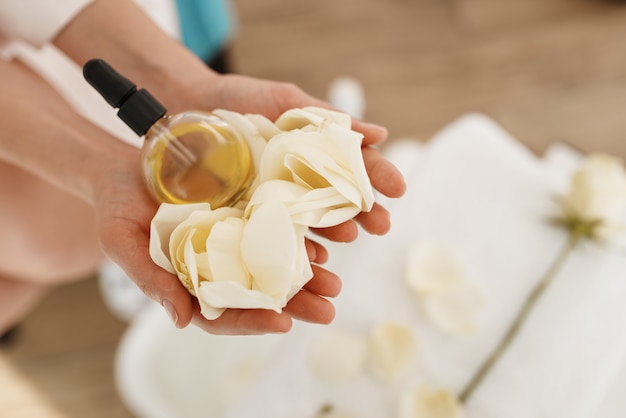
324,282
384,176
127,245
305,306
372,134
344,232
166,289
309,304
309,307
317,252
244,322
376,222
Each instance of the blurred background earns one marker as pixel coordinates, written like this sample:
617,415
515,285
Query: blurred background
546,70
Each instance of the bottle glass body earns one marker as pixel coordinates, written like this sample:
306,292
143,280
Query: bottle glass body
196,157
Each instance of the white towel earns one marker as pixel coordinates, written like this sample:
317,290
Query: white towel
477,188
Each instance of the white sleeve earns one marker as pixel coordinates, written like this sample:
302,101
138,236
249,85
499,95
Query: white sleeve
37,21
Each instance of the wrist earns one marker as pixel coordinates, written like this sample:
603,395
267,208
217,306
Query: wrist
119,32
86,156
107,161
178,89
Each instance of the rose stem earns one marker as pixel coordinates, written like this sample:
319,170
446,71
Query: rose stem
514,328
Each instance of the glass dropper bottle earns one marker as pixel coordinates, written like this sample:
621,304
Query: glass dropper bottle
189,157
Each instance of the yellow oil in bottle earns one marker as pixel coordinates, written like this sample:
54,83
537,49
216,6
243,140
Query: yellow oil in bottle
189,157
196,157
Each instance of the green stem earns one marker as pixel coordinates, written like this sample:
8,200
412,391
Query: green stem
514,328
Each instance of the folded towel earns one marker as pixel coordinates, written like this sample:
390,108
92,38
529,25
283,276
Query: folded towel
477,188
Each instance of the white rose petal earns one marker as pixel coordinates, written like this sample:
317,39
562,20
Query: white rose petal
315,116
309,173
436,276
598,193
265,127
274,251
230,262
324,158
318,208
393,351
207,310
248,130
223,253
196,229
455,311
338,357
216,297
164,222
426,402
433,267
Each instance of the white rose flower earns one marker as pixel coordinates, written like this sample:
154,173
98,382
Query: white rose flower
228,261
427,402
167,218
311,116
393,351
315,166
597,195
309,173
435,274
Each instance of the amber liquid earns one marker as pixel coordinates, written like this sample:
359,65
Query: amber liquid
195,157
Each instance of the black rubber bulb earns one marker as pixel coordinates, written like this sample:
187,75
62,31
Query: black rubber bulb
137,108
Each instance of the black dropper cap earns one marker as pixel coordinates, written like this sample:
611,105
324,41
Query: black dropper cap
137,108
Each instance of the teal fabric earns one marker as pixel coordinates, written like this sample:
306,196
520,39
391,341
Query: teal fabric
205,25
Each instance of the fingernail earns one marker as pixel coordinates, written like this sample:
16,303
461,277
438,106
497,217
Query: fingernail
171,311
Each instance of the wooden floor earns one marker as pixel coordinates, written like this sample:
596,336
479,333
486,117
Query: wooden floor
546,70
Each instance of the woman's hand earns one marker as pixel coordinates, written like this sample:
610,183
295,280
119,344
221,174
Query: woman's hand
119,32
124,211
269,98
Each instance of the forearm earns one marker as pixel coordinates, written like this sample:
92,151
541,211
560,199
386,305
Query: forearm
43,135
119,32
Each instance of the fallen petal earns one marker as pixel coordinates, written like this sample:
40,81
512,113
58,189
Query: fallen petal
427,402
393,351
338,357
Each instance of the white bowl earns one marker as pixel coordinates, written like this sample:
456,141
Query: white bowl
164,372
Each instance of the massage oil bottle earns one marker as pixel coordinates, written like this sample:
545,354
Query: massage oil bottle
189,157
